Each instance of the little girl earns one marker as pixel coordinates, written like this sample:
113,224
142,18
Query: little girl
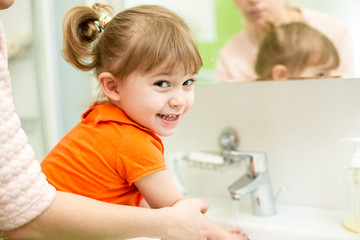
146,62
295,51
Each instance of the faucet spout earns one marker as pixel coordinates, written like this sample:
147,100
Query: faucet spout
255,181
244,185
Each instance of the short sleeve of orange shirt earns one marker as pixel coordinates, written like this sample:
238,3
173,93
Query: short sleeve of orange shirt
103,155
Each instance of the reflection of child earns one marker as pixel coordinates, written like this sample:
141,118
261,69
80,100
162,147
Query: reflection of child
294,51
146,61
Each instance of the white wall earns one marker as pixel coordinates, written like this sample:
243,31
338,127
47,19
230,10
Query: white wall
298,124
18,30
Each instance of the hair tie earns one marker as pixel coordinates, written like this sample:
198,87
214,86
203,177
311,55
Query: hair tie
104,20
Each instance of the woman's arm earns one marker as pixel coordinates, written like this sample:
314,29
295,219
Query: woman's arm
76,217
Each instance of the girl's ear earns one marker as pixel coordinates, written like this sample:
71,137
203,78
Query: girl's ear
109,86
279,72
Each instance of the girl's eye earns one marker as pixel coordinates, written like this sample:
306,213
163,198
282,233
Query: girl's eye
320,75
189,82
162,84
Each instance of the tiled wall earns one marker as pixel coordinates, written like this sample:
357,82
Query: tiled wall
298,124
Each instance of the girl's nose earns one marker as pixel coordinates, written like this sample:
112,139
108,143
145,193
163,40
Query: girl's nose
177,100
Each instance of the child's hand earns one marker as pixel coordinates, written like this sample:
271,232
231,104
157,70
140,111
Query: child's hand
229,233
193,224
231,229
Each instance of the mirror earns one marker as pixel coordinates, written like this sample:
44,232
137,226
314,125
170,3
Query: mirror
61,93
219,20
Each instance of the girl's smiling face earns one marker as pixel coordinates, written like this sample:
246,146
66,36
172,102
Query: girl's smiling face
157,100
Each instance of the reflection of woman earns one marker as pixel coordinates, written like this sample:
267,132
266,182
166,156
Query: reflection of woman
237,57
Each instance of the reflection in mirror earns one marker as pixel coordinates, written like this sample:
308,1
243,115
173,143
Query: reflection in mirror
295,50
220,20
62,92
237,56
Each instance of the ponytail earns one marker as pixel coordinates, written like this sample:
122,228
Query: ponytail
80,33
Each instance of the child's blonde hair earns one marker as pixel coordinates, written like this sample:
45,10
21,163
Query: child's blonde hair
140,39
295,45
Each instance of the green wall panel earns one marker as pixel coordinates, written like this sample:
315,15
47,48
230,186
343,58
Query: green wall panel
229,21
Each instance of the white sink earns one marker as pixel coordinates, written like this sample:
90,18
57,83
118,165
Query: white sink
290,222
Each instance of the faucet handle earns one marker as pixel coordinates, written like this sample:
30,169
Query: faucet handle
228,139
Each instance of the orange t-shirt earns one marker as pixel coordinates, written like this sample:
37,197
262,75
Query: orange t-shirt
103,155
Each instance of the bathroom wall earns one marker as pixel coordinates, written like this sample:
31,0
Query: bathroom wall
298,124
19,38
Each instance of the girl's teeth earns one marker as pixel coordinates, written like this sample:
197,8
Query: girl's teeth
168,117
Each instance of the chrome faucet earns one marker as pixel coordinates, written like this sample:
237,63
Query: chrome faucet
255,181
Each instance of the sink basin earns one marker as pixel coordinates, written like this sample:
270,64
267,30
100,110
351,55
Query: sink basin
290,223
